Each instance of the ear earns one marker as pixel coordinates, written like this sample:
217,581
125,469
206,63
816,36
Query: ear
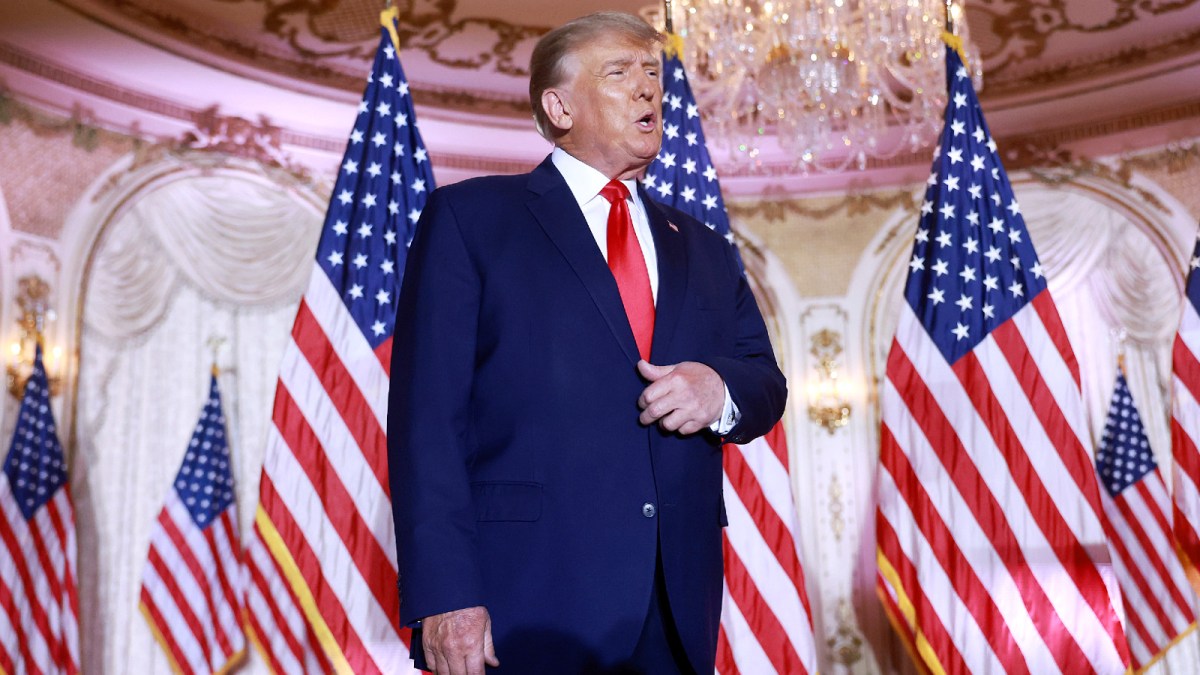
557,110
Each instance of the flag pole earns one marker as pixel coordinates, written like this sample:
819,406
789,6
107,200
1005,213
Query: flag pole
668,22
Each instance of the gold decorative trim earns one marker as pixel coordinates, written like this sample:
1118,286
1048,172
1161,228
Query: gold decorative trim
1058,75
426,26
1024,27
323,55
239,137
218,136
302,76
827,404
84,134
845,645
837,521
89,136
854,204
1020,152
71,79
319,30
33,302
1069,169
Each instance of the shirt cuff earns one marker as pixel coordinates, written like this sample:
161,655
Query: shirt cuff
730,416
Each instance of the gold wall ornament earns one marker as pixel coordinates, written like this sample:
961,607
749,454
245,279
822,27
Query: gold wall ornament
1065,168
827,405
256,140
837,520
845,645
852,204
1020,31
33,294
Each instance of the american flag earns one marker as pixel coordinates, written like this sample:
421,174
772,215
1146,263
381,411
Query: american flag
39,607
193,581
1185,423
765,616
1159,602
324,501
989,510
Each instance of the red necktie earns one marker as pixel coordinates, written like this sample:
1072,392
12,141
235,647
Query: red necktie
629,267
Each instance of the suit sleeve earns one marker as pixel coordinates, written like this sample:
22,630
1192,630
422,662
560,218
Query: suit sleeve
433,359
755,383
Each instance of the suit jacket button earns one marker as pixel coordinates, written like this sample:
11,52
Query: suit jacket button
648,509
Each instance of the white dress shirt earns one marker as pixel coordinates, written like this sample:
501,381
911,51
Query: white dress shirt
585,183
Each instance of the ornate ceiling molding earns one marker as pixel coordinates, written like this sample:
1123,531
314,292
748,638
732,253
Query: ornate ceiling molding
330,42
425,25
1046,148
1012,31
209,130
852,204
304,45
1101,66
1021,150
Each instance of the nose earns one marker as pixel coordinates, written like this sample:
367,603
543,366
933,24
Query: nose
646,85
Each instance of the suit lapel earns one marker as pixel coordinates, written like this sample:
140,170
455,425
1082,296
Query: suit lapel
672,276
555,209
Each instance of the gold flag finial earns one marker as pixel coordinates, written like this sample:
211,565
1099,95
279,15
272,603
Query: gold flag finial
673,46
388,18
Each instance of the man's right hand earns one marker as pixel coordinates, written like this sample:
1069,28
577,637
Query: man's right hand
459,642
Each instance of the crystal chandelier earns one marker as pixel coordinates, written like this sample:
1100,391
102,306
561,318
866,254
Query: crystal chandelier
832,82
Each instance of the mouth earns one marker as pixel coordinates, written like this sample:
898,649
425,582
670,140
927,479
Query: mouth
647,122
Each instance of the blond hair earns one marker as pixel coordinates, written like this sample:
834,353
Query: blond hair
546,68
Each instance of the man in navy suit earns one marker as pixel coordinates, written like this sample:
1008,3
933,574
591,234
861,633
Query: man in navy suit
569,356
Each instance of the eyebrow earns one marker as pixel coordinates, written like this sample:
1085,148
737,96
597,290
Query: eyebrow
626,62
616,63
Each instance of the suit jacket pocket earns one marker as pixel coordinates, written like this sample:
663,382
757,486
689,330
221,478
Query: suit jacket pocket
511,501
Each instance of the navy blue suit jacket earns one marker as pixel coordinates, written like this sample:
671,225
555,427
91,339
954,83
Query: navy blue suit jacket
520,474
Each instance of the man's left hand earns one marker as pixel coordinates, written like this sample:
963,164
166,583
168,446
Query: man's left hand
684,397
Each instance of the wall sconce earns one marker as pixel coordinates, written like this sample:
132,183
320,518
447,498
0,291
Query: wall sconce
33,295
827,405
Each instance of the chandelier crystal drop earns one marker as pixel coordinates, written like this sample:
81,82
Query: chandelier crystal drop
833,82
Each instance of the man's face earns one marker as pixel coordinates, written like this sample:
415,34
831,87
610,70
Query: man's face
613,100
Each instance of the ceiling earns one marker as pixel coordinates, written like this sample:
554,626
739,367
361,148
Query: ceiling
1055,71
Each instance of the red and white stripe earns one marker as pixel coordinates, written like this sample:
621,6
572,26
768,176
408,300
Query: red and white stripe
192,587
989,506
39,615
1159,602
275,621
766,624
1185,435
324,487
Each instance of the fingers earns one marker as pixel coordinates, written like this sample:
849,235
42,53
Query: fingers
489,646
431,657
652,372
678,421
685,397
459,642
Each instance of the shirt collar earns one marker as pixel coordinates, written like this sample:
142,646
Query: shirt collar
584,181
